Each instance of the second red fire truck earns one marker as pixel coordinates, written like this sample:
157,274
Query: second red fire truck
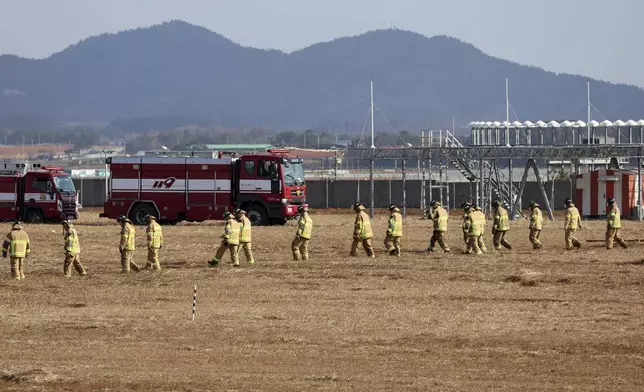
36,194
269,187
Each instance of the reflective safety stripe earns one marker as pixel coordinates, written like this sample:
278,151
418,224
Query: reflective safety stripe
305,227
245,230
18,248
395,225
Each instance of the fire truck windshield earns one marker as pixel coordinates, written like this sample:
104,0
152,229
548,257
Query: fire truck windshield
64,184
293,173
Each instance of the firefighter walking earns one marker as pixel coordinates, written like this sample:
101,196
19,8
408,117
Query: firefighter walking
464,223
229,241
17,246
300,244
394,231
245,235
72,250
483,223
572,223
440,217
154,235
536,224
475,224
127,245
362,233
501,226
613,225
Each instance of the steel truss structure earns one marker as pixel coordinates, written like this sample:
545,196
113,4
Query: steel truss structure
484,154
503,152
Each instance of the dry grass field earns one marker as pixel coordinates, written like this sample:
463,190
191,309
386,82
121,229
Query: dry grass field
508,321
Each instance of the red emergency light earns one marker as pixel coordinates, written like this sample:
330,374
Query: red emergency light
53,168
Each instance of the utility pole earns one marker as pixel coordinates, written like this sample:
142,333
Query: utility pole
372,125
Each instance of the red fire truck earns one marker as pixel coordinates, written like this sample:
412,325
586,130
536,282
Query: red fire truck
269,186
36,194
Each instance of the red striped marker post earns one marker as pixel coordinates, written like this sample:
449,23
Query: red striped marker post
194,303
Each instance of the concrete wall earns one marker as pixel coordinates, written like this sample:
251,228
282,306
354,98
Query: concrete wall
343,193
92,191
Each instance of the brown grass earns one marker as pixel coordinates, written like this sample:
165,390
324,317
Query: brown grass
422,322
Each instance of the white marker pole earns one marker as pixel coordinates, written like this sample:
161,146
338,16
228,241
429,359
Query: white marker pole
194,303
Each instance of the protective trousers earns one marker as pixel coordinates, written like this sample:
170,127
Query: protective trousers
17,268
534,238
613,235
437,236
499,239
481,244
300,248
392,244
73,259
473,245
248,251
571,241
127,262
366,244
153,260
234,252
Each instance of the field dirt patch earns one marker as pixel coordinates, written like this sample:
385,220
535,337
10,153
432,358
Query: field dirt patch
505,321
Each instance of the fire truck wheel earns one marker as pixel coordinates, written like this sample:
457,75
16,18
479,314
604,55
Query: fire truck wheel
34,216
140,213
257,215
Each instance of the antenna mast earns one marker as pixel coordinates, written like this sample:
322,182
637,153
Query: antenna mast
589,113
507,112
372,110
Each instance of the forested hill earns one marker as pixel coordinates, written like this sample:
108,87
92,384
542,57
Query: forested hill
177,74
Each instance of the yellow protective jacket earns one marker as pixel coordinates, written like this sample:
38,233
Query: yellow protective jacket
16,243
128,235
501,220
536,219
305,226
484,219
72,245
395,228
573,219
244,230
155,235
614,218
477,223
231,232
362,226
440,216
466,222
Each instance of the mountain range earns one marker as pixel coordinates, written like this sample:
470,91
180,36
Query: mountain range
176,74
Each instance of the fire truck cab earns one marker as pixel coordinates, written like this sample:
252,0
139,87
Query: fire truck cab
37,194
268,186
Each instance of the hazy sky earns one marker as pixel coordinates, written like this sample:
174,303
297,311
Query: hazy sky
598,38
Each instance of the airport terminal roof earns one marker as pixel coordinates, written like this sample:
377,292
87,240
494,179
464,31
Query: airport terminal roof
555,124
